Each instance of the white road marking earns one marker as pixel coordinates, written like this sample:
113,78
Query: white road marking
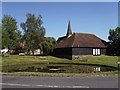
49,86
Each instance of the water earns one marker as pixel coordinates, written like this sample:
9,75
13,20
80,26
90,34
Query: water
63,68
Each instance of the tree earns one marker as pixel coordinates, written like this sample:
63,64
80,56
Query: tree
114,38
34,32
48,45
10,33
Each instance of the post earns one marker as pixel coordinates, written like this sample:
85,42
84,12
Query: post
118,67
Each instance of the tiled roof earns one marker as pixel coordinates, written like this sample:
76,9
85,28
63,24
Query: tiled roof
81,40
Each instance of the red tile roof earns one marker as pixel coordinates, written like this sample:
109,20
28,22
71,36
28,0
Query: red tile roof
82,40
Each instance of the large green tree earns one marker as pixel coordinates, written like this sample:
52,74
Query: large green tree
48,45
10,33
34,32
114,38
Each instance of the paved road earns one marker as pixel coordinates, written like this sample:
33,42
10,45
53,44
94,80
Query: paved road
60,82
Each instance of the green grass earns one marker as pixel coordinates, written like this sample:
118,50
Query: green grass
60,74
15,59
97,60
15,62
91,59
102,60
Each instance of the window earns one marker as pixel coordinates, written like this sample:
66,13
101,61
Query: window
96,51
93,51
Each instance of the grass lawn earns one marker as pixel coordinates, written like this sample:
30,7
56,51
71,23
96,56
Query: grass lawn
98,60
60,74
101,60
17,62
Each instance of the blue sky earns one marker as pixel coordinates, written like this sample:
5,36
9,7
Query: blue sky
86,17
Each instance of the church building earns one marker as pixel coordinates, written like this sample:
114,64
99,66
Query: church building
73,45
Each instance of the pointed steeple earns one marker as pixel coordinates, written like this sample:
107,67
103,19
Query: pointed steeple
69,31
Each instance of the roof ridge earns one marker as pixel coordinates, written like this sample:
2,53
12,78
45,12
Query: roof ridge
84,33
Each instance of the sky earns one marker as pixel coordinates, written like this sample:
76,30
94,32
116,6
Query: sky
85,17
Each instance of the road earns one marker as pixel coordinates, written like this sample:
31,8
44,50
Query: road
59,82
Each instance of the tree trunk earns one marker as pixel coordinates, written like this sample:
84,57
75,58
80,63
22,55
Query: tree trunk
33,52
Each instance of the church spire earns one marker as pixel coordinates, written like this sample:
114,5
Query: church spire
69,31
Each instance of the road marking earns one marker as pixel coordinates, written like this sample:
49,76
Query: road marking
49,86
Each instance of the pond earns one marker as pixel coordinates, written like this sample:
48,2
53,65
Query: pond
54,68
59,68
